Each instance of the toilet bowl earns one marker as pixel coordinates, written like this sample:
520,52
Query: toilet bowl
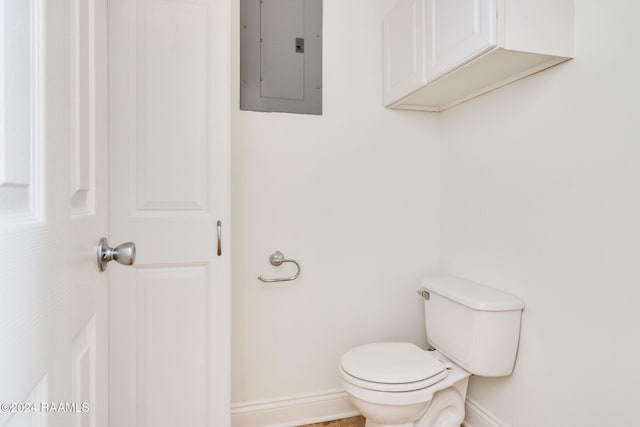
399,384
475,330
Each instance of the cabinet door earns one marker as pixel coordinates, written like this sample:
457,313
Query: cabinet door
404,64
457,31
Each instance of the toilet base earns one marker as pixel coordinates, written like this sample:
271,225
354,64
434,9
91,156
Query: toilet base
446,408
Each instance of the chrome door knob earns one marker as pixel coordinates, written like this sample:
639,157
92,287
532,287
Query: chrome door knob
124,254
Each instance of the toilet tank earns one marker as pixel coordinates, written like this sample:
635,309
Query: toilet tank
476,326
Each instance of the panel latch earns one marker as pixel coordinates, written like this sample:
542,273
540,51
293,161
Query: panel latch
424,293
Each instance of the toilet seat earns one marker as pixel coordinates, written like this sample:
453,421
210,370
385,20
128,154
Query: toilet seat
393,367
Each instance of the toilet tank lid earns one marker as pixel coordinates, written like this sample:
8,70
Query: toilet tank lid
472,294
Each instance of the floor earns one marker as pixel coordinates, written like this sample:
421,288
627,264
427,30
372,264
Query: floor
345,422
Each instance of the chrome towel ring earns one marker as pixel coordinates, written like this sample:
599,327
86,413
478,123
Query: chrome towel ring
276,259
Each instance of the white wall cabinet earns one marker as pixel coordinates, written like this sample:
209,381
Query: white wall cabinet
439,53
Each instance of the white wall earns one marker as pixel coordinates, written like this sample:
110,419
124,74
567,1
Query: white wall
353,196
541,197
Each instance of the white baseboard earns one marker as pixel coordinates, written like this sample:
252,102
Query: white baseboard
328,405
477,416
289,411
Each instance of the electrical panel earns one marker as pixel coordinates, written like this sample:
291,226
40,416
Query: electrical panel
281,56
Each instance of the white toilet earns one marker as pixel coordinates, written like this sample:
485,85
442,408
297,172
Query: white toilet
475,330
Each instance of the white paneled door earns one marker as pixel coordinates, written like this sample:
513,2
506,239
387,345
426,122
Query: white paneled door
169,176
53,210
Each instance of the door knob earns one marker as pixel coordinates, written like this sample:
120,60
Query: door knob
124,254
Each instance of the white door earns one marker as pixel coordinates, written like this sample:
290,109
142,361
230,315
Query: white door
457,30
169,187
53,193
